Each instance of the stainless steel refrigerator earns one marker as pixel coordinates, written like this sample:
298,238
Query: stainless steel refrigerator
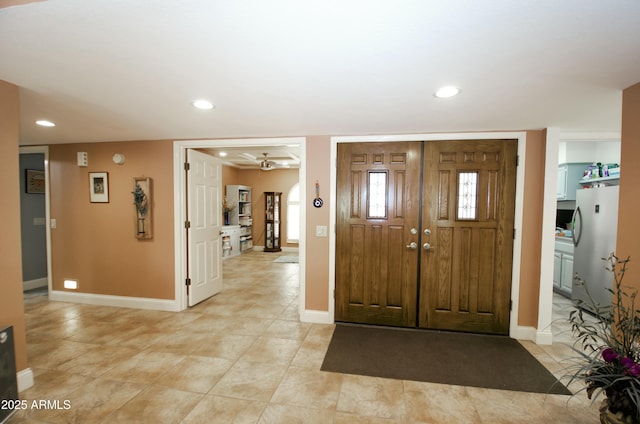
595,223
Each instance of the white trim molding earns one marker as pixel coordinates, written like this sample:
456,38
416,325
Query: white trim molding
35,284
316,317
25,379
179,186
110,300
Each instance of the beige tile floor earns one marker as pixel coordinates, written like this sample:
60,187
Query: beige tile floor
244,357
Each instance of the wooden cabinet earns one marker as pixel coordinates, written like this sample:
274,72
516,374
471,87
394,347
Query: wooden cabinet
272,203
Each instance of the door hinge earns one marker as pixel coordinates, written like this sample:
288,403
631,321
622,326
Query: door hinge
187,166
514,233
187,282
187,224
517,160
511,305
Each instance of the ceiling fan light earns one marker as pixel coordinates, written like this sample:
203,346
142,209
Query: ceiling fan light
266,165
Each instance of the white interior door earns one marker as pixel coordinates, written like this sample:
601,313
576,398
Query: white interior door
204,214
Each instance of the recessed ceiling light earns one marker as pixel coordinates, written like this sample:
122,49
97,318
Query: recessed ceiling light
448,91
222,154
203,104
45,123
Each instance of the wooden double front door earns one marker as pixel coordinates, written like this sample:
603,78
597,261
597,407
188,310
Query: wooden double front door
425,234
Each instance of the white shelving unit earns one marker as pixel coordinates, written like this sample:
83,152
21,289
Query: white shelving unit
615,180
241,215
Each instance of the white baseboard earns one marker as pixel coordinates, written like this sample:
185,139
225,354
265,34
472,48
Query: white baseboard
25,379
541,337
34,284
544,337
316,317
120,301
523,333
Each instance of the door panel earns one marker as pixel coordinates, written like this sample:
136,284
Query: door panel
459,275
378,203
204,213
466,275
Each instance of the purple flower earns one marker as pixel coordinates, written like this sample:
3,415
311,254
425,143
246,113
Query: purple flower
610,355
634,369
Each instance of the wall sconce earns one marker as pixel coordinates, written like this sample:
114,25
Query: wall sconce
118,158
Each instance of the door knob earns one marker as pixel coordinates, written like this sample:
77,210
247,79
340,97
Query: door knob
413,245
427,246
427,232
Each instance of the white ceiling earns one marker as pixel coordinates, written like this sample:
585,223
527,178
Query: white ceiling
281,156
110,70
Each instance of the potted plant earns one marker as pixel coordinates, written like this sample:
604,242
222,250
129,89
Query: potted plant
607,344
227,207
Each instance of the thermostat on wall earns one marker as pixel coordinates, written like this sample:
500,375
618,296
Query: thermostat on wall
118,159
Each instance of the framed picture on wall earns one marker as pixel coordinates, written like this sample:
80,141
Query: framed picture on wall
34,181
99,187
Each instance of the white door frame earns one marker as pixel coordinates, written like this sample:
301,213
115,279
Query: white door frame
554,137
515,331
179,204
47,202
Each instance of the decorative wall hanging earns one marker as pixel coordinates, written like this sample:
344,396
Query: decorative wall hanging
34,181
142,201
99,187
317,202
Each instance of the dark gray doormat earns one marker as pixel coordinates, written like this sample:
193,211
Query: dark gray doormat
494,362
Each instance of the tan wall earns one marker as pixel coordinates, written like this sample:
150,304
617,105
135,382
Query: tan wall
95,243
628,243
11,299
532,229
317,248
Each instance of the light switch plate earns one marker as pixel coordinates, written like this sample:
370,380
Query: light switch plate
321,230
83,159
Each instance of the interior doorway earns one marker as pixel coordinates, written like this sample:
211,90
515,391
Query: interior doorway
180,148
34,216
425,233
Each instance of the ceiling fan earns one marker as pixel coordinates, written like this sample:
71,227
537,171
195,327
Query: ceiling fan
266,164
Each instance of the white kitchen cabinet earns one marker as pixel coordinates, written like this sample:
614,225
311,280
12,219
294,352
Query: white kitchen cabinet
557,269
563,266
569,175
566,281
